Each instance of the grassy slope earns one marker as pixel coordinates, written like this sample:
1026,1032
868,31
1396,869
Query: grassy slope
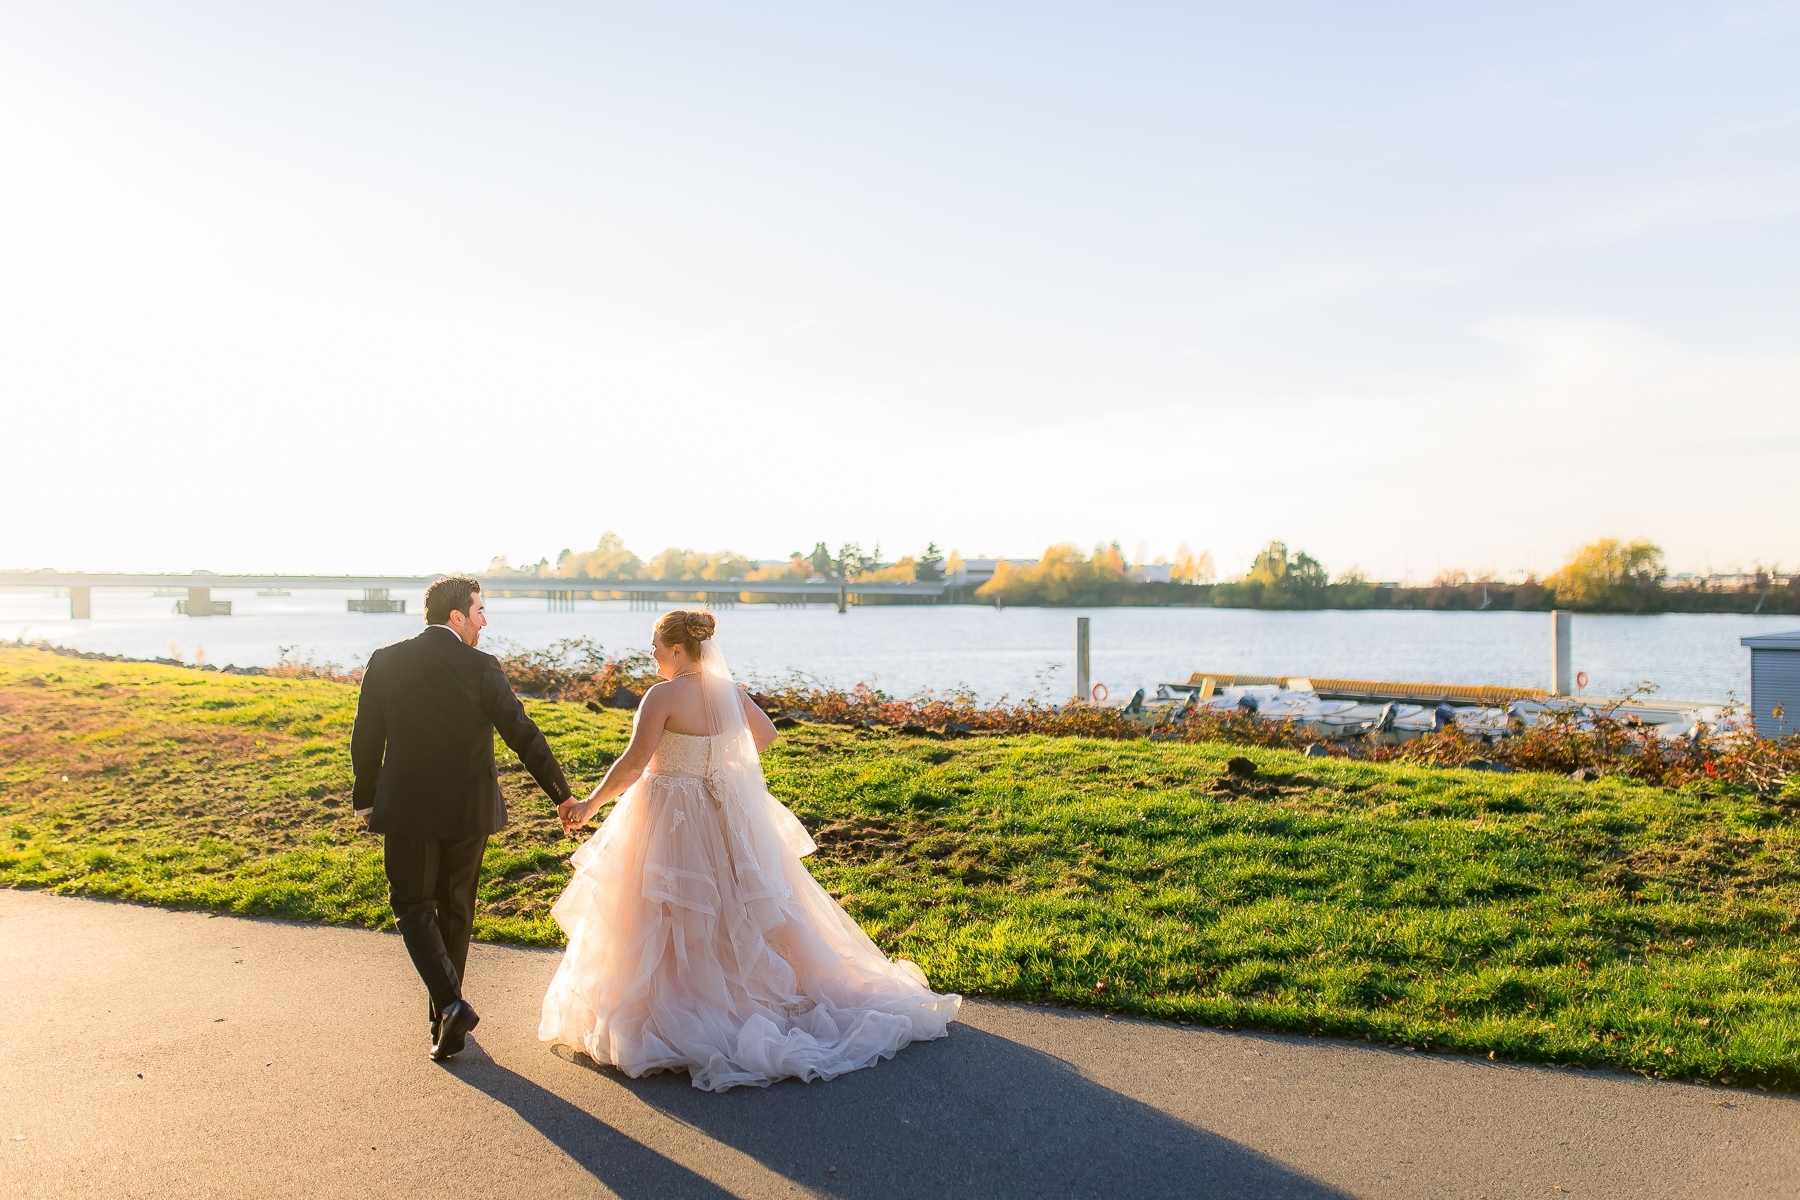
1525,915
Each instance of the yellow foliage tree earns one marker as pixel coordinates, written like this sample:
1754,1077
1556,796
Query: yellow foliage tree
1605,572
798,569
609,560
1190,568
1063,576
904,571
1010,584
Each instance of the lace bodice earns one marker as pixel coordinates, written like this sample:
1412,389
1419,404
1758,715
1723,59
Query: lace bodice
681,754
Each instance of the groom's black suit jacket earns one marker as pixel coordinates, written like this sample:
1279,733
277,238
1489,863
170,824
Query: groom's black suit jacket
423,747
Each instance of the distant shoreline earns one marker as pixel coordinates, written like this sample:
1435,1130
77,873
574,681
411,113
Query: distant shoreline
1746,600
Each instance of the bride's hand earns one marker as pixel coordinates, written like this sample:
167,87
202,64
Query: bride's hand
574,814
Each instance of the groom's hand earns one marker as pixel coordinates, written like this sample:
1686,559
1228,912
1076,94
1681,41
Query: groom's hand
565,812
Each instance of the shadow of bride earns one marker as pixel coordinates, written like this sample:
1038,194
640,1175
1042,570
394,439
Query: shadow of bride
631,1169
973,1114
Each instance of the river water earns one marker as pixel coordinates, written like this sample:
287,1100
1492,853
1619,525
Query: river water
1015,653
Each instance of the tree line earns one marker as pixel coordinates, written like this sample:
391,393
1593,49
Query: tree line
612,560
1607,575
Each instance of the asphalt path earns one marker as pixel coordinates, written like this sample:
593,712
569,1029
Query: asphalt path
149,1053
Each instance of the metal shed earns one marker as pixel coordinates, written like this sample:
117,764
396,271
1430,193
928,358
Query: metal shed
1775,682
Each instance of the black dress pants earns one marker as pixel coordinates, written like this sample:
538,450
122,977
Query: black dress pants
431,886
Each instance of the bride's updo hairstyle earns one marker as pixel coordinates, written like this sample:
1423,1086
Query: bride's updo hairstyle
686,629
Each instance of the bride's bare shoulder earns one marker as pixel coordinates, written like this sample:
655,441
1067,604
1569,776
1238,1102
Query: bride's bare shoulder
679,702
665,690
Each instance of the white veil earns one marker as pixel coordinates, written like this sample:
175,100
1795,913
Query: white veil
734,769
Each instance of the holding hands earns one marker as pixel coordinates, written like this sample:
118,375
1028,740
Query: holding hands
679,697
575,813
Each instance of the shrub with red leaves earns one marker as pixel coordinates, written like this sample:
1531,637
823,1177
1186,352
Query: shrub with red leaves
576,669
1608,744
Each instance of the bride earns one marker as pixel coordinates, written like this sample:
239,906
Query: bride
697,939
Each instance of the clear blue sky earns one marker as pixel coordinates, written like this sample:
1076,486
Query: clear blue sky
1411,287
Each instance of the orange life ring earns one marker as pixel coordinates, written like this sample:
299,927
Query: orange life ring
1100,693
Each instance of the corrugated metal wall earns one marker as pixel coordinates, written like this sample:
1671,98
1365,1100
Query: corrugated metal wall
1775,679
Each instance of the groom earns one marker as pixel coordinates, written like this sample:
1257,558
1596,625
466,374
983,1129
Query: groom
423,752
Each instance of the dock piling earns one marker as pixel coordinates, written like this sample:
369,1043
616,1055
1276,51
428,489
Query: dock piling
1562,676
1083,686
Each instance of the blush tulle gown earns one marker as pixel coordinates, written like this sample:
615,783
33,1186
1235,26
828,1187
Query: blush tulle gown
698,941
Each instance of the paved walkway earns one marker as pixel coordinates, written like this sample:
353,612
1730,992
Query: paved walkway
150,1053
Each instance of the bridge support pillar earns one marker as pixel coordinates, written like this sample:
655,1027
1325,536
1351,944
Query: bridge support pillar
201,604
375,600
81,604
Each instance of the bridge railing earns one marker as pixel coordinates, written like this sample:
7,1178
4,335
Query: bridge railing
561,593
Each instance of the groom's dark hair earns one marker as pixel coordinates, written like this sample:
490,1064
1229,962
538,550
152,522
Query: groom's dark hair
452,593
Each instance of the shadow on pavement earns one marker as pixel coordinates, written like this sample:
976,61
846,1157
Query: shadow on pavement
628,1167
973,1114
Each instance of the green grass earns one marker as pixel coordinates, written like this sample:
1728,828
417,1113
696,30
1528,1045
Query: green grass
1527,916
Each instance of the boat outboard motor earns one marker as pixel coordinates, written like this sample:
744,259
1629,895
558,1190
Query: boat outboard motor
1163,693
1443,719
1247,703
1137,703
1385,722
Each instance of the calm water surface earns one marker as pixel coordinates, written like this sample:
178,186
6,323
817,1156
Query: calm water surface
1016,652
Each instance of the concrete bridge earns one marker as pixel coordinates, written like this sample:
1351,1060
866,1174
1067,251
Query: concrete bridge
376,589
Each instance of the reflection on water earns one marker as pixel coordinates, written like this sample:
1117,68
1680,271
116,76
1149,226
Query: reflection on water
1018,652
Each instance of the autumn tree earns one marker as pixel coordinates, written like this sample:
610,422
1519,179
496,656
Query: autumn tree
608,560
1274,569
1610,574
1276,579
1189,568
797,569
1063,576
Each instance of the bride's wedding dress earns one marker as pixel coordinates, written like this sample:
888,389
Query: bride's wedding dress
697,939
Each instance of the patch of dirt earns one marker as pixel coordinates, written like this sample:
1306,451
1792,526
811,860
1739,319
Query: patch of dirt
923,844
862,839
1266,787
1715,861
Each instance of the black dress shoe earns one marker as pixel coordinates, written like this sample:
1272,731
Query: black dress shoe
456,1020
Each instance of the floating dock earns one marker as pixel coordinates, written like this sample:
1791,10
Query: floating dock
1390,711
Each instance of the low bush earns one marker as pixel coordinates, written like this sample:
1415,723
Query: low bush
1602,742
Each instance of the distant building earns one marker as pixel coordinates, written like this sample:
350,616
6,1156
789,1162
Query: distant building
977,571
1154,573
